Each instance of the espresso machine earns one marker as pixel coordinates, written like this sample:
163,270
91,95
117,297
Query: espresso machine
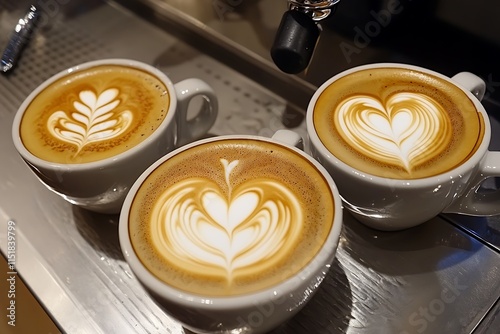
298,33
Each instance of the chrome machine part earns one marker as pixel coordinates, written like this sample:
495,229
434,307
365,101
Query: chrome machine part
18,39
316,9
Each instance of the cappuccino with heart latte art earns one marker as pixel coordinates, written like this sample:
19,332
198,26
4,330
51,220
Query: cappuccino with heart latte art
397,123
230,217
94,114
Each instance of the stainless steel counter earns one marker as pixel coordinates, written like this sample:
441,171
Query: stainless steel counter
440,277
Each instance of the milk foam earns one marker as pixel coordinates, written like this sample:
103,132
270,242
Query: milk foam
94,113
230,217
407,130
398,123
93,119
200,229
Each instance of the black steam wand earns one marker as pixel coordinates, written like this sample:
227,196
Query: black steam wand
298,33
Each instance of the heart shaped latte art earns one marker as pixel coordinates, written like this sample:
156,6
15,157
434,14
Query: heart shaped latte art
201,230
94,119
407,130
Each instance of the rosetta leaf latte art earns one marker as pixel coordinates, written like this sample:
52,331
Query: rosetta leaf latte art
93,119
407,130
203,230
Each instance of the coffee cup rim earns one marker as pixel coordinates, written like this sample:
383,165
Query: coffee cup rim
323,258
102,163
456,172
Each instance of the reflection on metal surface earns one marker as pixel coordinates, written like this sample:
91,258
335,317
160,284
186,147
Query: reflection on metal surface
430,279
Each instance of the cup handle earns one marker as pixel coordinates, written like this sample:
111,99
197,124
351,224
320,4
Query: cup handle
475,202
472,83
480,203
289,138
198,125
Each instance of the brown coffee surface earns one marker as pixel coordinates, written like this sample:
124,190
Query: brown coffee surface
230,217
94,114
398,123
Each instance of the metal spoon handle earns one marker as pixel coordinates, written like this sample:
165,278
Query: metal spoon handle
18,39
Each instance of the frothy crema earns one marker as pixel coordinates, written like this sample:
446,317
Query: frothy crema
397,123
230,217
93,114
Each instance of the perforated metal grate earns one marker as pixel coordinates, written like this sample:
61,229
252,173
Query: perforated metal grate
52,48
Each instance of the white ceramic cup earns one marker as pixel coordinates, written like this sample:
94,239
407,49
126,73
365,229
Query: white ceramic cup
102,185
256,312
394,204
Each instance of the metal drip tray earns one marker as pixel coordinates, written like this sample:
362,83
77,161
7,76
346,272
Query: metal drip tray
435,278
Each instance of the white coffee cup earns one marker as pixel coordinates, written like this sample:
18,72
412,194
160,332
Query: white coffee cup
252,312
389,203
103,184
